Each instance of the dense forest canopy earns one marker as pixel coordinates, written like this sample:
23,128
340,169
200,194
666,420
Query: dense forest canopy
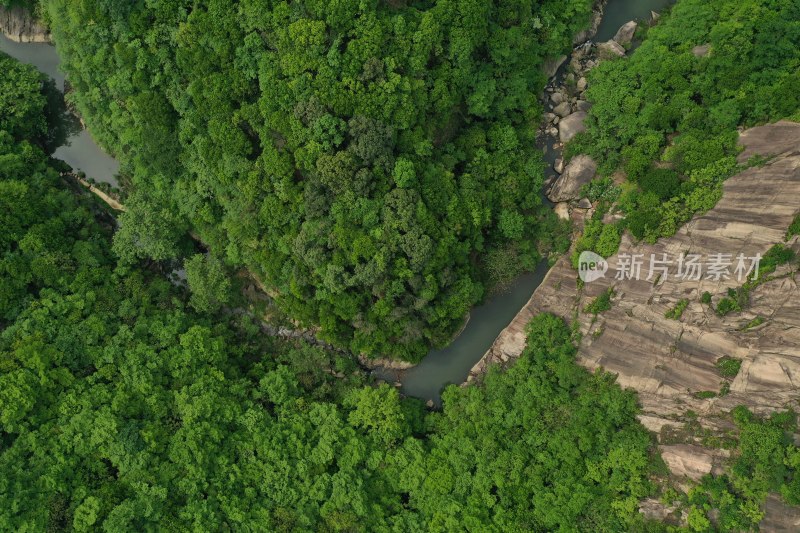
321,145
373,162
669,115
123,409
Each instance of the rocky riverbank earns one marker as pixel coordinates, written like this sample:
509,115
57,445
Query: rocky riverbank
566,110
672,364
18,24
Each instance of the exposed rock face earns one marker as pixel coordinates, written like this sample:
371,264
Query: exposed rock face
779,517
625,34
578,172
19,25
701,50
562,210
571,125
667,360
588,33
610,49
551,66
685,460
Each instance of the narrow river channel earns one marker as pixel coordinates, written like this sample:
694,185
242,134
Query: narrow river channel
440,367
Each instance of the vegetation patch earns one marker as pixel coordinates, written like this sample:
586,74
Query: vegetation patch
794,228
600,303
766,461
677,312
728,366
374,164
669,119
757,321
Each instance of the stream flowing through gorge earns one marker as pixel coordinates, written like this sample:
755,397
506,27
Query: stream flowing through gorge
440,367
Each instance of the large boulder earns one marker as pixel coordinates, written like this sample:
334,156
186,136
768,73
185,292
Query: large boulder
625,34
588,33
610,50
552,65
562,110
562,210
578,172
687,460
571,125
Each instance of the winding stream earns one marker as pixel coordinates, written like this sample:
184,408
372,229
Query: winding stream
440,367
80,151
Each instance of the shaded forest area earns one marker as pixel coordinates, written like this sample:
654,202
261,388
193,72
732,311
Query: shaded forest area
373,163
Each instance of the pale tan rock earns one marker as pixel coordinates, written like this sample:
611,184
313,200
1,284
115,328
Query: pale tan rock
780,517
562,109
571,125
562,210
578,172
625,34
701,50
610,49
686,460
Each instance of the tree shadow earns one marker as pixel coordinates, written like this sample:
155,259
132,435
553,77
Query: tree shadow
61,122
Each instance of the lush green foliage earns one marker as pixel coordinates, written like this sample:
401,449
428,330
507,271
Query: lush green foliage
677,312
544,446
766,461
601,303
794,228
728,366
360,158
669,117
124,409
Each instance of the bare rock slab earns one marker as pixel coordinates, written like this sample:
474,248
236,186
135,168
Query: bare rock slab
571,125
578,172
625,34
610,50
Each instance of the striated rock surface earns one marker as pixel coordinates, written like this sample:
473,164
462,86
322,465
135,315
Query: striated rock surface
668,361
779,517
18,24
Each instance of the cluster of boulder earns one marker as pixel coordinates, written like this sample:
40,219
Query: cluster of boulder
566,111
